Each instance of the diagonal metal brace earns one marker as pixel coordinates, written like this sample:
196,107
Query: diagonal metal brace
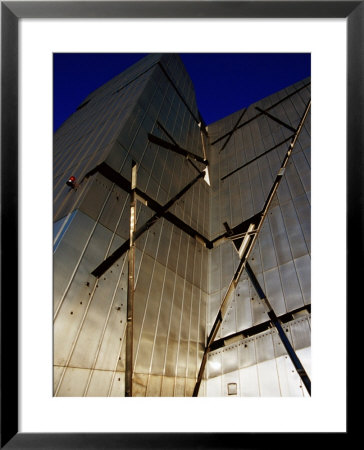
244,255
175,148
276,323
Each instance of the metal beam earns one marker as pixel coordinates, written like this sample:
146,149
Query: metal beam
131,288
256,329
245,254
176,148
276,323
161,211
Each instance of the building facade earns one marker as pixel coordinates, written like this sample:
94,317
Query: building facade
198,188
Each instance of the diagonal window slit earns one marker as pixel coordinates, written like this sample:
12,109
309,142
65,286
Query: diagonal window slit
175,148
256,158
258,115
284,124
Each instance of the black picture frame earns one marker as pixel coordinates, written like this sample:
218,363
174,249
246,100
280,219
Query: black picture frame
11,12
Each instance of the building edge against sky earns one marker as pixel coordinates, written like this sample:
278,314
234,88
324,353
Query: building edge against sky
185,257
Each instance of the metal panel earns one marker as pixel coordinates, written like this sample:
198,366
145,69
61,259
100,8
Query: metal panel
57,373
110,346
182,358
68,252
229,323
92,333
154,386
167,388
274,291
265,241
74,382
249,383
264,347
290,382
303,268
140,382
179,389
279,349
301,333
295,236
214,364
258,308
303,210
99,384
213,387
247,353
303,170
190,385
243,306
268,379
291,287
77,300
230,361
279,234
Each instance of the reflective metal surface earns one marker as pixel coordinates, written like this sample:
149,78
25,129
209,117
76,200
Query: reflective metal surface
180,283
259,364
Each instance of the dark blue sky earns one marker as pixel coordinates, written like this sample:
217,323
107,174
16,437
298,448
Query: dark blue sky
224,82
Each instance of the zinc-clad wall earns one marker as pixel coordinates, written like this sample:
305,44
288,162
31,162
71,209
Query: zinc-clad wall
283,247
179,283
281,256
88,136
259,365
171,267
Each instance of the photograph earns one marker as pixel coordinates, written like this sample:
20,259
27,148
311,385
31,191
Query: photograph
182,224
159,235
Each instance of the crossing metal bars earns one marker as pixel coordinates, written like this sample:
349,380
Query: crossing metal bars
245,254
